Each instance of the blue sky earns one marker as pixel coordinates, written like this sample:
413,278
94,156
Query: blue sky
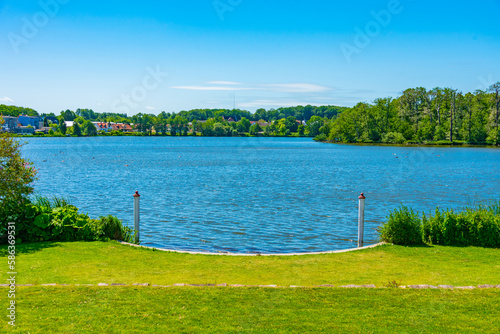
150,56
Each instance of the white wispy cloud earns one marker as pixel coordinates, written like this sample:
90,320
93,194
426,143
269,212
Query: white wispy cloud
212,88
6,99
298,88
274,103
224,83
150,108
235,86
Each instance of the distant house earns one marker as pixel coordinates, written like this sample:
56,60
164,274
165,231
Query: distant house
261,123
34,121
9,124
44,130
69,123
106,127
121,127
24,130
231,120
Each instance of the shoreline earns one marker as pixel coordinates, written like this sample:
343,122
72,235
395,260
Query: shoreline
256,254
454,145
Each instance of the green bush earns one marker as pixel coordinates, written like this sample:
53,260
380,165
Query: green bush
473,227
57,220
321,137
403,227
479,226
393,138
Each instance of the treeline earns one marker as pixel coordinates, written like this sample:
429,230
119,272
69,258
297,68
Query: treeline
302,113
420,116
16,111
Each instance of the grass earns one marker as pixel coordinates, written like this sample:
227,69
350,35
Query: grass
101,262
133,309
256,310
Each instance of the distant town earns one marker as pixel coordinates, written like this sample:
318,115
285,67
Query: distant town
293,121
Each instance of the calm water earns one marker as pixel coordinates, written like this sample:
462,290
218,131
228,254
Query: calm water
272,195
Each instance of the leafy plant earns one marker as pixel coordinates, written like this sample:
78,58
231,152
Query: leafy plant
402,228
479,226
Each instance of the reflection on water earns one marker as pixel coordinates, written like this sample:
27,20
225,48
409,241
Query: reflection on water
272,195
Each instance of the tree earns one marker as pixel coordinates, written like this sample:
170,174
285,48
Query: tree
291,124
62,126
77,131
218,130
255,129
246,124
89,129
301,130
496,101
453,112
16,173
194,125
314,124
68,115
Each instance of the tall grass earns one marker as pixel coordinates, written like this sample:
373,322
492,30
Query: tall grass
50,203
477,225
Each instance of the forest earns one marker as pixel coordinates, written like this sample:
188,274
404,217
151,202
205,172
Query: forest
417,116
440,115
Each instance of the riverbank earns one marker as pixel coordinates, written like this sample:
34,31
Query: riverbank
430,144
440,144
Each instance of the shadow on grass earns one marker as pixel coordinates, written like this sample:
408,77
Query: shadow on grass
418,246
28,248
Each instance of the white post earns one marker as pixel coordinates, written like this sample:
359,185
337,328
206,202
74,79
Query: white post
361,219
136,215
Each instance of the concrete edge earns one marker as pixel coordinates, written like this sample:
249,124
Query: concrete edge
237,254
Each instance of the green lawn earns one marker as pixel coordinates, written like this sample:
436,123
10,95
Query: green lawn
256,310
99,262
133,309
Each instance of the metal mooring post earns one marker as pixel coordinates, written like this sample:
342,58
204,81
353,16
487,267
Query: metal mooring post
361,219
137,198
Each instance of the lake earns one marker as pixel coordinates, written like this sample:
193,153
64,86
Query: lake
265,195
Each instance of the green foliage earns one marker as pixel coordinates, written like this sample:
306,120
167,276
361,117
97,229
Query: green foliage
473,227
478,227
393,138
16,173
422,116
321,137
255,129
56,219
77,131
402,228
16,111
245,123
88,129
112,228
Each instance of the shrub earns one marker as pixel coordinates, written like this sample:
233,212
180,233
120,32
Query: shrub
473,227
479,226
321,137
393,138
113,228
403,227
16,173
57,220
